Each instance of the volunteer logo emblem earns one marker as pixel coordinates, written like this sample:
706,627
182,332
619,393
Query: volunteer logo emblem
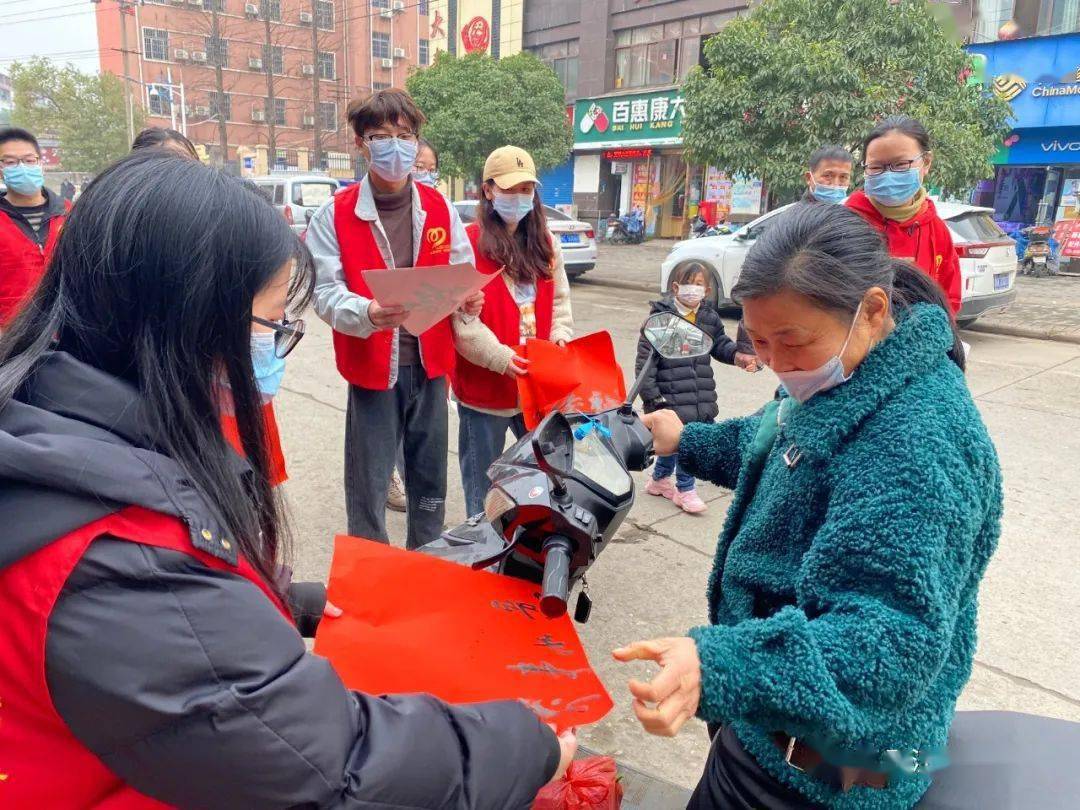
437,240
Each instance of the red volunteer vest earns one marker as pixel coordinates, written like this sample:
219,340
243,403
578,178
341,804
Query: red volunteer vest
274,453
22,264
42,764
475,385
365,362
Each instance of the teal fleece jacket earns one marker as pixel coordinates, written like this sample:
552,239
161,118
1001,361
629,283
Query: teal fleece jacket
843,596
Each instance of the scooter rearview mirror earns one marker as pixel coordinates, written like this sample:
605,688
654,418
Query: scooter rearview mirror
553,449
675,338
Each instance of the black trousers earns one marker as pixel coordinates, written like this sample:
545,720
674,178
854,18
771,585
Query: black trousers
733,780
413,415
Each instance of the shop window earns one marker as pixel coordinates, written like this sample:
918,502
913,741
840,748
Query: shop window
689,55
1059,17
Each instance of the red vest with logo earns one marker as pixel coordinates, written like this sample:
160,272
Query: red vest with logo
475,385
42,764
22,264
365,362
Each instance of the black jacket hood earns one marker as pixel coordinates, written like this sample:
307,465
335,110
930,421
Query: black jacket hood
75,446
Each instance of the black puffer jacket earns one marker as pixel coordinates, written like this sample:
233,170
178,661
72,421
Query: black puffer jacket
186,681
687,387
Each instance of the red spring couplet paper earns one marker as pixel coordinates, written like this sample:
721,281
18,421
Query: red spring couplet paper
413,623
582,376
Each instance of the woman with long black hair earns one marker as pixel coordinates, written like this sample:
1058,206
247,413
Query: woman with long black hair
149,653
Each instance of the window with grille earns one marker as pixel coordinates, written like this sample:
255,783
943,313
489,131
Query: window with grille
214,5
271,8
423,52
423,8
155,44
217,51
380,85
326,66
380,45
220,106
324,14
159,100
380,3
279,112
328,119
274,56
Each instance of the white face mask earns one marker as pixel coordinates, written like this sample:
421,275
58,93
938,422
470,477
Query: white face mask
802,385
690,295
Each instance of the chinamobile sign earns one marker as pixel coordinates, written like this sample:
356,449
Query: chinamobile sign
628,120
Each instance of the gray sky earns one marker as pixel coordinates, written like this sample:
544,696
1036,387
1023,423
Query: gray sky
62,30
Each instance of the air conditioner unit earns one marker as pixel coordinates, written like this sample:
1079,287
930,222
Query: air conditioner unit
180,55
309,120
202,112
305,17
255,63
387,14
308,70
399,53
388,64
258,115
251,9
198,56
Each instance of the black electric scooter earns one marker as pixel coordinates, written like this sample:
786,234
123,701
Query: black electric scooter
561,493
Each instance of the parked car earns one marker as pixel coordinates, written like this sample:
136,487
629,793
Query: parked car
987,259
297,196
577,238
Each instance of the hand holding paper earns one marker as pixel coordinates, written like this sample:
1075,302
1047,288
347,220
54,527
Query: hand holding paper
425,295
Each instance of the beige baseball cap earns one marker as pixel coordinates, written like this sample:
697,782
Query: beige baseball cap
508,166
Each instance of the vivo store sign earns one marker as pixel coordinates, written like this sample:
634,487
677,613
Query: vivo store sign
1061,146
1041,147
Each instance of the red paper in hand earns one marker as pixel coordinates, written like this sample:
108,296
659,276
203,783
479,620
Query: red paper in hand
583,376
589,784
414,623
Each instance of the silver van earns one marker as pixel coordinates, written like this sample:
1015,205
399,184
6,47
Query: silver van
297,195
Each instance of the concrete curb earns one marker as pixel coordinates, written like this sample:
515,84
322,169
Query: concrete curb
985,328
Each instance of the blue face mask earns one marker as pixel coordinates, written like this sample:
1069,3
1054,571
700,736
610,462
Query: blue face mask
269,368
513,207
830,194
393,158
426,178
23,179
893,188
802,385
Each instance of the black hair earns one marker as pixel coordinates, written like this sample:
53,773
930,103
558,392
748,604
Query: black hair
904,124
162,136
829,152
390,106
829,254
151,284
8,134
424,143
684,273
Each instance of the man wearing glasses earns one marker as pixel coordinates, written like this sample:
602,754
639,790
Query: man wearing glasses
397,380
30,220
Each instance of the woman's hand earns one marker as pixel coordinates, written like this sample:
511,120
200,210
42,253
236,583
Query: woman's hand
666,702
473,304
666,428
567,751
517,367
331,611
747,362
386,317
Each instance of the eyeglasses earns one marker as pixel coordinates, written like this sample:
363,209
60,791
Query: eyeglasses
12,162
286,333
875,169
381,137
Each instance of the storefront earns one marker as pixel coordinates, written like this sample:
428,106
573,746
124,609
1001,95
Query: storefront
1037,179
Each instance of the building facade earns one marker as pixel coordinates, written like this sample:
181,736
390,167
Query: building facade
278,73
462,27
622,63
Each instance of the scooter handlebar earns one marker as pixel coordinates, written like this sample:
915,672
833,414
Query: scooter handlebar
556,582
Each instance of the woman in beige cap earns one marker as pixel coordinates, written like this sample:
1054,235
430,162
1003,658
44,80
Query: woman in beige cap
528,297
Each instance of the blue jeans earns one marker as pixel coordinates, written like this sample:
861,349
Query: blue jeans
481,440
666,465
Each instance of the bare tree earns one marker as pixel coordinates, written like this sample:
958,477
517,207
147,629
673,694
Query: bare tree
218,55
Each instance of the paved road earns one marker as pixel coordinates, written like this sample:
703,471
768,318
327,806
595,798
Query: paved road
651,582
1044,307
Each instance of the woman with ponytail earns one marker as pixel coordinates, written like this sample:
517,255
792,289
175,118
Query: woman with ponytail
842,604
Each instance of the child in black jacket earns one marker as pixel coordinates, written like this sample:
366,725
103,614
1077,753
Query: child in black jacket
687,386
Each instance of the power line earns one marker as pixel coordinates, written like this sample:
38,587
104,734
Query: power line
41,10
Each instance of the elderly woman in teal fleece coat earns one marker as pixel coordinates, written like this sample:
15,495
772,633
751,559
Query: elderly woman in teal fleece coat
867,504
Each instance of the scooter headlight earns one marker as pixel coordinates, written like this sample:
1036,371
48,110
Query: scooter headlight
496,504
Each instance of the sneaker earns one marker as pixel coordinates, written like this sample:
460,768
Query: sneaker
664,488
690,502
395,499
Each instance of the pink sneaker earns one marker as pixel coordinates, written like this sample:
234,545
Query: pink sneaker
664,488
690,502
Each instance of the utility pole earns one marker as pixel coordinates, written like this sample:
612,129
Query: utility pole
316,154
127,8
219,81
271,97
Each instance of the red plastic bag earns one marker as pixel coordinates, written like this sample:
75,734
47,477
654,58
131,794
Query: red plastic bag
589,784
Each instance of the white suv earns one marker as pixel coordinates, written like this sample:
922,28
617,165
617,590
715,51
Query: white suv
297,195
987,259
